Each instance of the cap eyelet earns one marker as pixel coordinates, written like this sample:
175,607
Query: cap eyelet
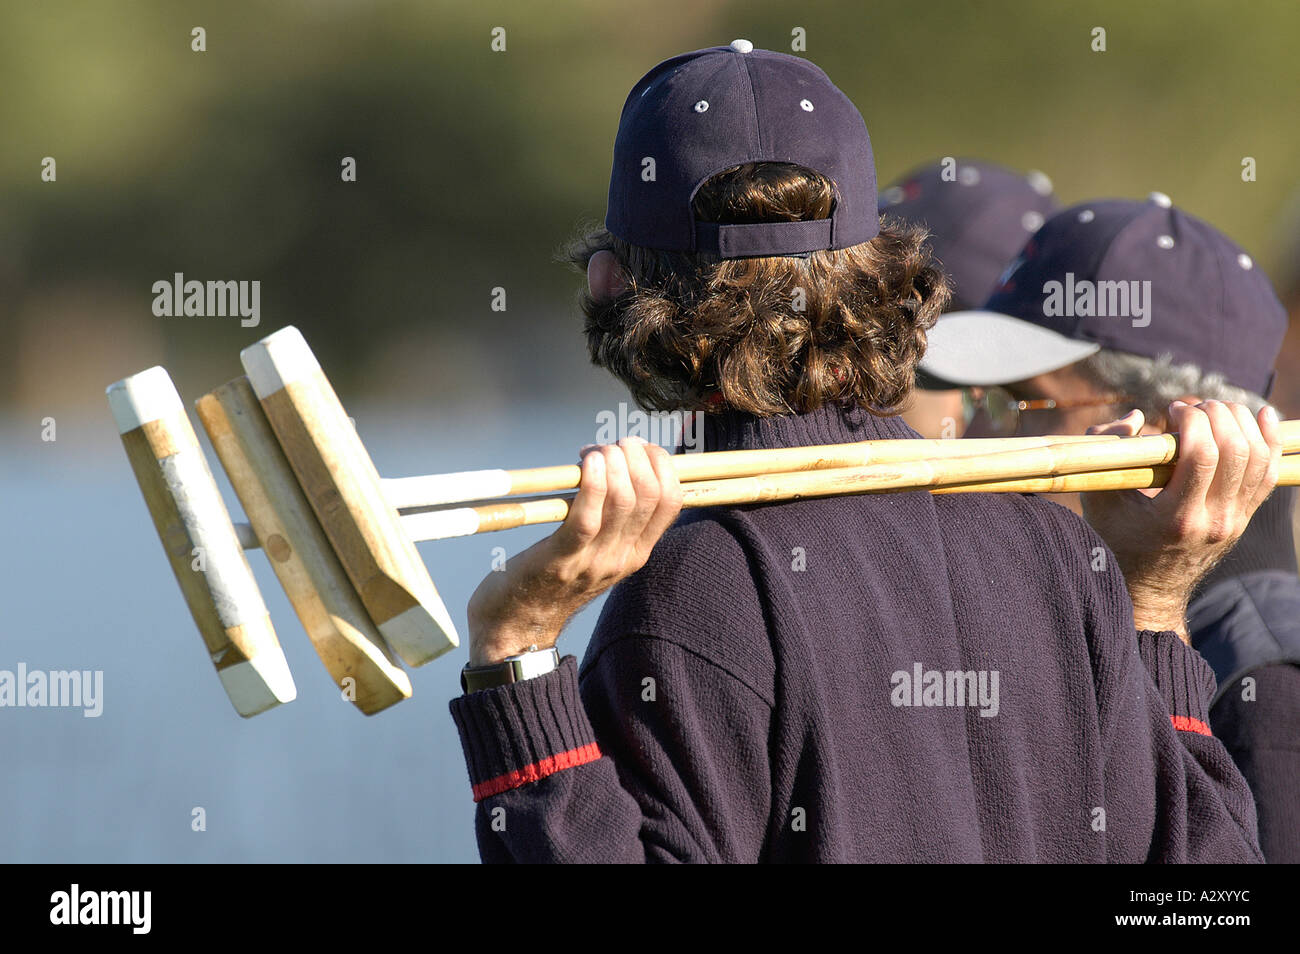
702,106
1039,182
968,176
1032,221
1245,261
893,195
1087,215
1165,241
806,105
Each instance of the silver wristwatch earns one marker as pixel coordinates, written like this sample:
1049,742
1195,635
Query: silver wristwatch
536,662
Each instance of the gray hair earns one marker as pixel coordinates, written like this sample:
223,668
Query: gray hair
1155,383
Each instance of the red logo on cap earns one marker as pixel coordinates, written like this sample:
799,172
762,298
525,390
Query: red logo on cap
1005,284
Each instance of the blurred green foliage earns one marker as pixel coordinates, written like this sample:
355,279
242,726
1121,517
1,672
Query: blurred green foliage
475,166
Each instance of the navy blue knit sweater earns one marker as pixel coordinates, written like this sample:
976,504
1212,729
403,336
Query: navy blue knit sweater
898,677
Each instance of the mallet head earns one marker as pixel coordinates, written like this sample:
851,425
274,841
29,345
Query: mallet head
200,541
287,530
343,487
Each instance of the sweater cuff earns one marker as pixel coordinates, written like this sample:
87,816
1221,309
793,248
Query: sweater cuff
516,734
1184,678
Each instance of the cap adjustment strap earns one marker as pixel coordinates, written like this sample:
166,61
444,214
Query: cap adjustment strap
763,238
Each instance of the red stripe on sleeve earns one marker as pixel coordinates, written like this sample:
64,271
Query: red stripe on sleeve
1188,724
537,771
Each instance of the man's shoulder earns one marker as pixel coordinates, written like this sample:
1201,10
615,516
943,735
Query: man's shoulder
703,545
1029,517
1054,551
697,591
699,570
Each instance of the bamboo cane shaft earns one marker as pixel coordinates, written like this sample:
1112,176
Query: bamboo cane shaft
411,493
1136,478
432,490
772,488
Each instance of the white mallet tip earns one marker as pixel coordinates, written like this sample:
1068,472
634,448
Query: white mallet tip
278,360
259,684
141,398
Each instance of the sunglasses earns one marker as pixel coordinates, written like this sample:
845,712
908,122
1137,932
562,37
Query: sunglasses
1003,409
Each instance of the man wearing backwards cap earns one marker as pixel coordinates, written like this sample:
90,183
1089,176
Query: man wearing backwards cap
895,677
979,215
1130,304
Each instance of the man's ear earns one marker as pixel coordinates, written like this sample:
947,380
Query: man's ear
605,278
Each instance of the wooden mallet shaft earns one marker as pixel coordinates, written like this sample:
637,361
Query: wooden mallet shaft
976,475
436,490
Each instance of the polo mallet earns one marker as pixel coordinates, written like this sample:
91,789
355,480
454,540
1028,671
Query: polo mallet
207,556
345,555
322,447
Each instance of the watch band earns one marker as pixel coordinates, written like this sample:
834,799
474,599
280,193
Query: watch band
529,665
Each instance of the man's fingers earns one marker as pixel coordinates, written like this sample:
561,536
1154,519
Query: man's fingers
1127,426
1234,458
1258,464
586,513
1198,458
670,498
1270,428
1270,431
620,497
645,485
628,496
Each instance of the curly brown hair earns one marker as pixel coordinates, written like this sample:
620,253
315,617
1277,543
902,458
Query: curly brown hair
773,335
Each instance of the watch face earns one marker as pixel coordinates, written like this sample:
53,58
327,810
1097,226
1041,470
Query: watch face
531,665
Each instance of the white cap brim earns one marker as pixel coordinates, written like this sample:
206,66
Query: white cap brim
984,348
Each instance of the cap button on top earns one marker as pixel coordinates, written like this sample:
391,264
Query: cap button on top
742,46
1160,199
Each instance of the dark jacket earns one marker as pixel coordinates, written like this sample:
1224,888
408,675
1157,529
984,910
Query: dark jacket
751,695
1245,621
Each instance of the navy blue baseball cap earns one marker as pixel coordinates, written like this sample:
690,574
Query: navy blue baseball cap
698,114
1139,277
979,215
